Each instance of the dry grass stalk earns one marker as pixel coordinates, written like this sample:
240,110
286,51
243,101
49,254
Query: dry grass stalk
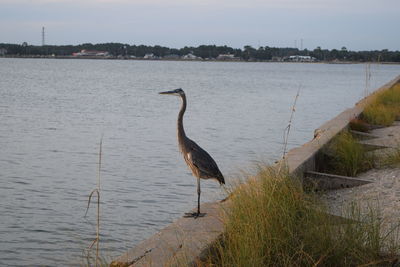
97,192
287,129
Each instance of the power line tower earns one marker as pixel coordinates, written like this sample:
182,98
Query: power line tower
43,43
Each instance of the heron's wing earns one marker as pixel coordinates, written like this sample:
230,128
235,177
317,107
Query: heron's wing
203,161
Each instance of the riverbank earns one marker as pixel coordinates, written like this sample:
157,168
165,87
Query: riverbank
196,60
349,221
273,222
301,162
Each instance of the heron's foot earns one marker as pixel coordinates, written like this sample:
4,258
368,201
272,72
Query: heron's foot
194,215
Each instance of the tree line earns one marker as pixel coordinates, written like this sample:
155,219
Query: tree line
263,53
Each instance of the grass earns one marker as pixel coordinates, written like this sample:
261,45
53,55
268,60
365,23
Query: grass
379,114
384,107
392,159
348,156
273,222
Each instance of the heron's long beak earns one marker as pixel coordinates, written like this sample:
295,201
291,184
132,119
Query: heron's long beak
167,92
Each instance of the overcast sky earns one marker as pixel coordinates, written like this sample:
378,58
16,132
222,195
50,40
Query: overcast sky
355,24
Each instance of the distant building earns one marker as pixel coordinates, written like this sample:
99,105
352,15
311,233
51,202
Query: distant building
3,51
227,57
149,56
298,58
190,56
91,53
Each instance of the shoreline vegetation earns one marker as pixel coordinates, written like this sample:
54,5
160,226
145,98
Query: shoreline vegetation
194,60
200,53
274,220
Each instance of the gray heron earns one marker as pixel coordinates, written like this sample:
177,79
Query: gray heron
199,161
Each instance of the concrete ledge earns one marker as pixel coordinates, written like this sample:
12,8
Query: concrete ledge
187,240
302,159
182,242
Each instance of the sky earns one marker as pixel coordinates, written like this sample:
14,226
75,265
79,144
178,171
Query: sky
354,24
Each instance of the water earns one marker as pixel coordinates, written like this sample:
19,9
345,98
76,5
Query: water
54,112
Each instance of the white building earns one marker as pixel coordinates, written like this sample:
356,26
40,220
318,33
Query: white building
227,57
149,56
91,53
190,56
298,58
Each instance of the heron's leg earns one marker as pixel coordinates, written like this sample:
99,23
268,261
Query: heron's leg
198,196
196,214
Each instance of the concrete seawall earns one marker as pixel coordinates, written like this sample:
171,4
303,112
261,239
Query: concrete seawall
187,240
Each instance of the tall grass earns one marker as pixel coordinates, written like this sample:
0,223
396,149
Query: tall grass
379,114
273,222
392,159
349,157
384,107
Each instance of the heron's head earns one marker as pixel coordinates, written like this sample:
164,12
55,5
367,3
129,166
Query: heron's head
177,92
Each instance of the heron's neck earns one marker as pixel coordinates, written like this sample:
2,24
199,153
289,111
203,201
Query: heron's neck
181,131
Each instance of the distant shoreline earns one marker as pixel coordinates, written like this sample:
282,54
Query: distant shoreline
196,60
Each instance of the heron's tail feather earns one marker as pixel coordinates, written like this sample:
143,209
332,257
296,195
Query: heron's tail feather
221,179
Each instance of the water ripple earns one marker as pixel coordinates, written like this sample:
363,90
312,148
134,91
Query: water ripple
51,128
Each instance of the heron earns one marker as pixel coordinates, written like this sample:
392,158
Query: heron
198,160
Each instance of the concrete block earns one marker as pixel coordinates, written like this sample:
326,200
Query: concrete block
362,135
326,181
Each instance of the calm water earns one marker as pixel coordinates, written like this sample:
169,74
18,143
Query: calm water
54,112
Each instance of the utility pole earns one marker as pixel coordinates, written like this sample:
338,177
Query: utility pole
43,43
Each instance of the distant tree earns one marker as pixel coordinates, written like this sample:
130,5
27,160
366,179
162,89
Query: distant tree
206,51
263,53
249,52
317,53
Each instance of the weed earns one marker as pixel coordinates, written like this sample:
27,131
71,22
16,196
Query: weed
287,129
392,159
384,107
273,222
97,192
349,157
379,114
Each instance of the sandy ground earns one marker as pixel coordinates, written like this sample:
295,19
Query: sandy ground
383,194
